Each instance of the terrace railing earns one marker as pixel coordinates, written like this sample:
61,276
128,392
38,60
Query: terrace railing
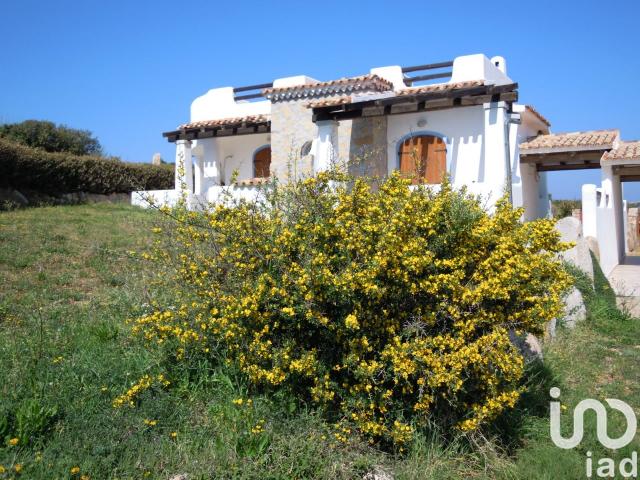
435,71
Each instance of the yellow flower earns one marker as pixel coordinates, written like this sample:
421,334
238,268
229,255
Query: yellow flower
351,322
173,435
151,423
75,470
17,467
14,441
2,469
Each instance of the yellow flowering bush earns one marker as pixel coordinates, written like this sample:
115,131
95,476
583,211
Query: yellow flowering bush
387,307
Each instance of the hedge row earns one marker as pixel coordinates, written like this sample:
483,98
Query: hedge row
56,173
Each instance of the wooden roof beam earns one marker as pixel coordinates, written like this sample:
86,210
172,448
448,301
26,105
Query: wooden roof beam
218,131
568,166
422,102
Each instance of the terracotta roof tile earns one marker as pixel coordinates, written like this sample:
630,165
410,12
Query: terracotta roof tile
439,87
329,102
226,122
624,151
333,87
600,139
253,181
538,115
362,97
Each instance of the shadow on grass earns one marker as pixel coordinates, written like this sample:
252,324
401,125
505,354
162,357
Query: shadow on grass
510,428
603,316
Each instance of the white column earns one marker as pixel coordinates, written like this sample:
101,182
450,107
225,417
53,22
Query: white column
184,166
198,177
211,158
496,160
544,200
610,225
530,191
625,227
618,207
326,147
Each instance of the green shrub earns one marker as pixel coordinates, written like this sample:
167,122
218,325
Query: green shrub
389,309
55,173
34,420
30,422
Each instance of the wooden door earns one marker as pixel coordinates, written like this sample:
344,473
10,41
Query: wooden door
262,163
423,158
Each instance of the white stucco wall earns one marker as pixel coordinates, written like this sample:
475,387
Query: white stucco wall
590,202
219,103
479,67
531,185
610,221
463,130
144,198
223,155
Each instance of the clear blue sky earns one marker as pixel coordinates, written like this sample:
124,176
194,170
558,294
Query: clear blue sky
128,70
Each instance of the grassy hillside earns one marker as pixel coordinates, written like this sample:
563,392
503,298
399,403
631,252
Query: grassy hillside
70,280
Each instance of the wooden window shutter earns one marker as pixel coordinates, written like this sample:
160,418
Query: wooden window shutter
262,163
423,158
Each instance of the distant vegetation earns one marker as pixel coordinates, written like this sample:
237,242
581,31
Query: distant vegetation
564,208
50,137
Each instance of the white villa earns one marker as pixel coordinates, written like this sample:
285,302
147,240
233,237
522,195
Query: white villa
469,126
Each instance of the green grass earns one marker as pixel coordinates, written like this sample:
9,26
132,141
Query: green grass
68,285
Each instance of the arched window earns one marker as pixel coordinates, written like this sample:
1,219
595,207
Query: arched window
423,158
262,162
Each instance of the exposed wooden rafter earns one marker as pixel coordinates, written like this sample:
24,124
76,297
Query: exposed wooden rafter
217,131
628,173
460,97
558,161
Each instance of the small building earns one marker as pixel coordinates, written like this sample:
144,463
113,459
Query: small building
459,118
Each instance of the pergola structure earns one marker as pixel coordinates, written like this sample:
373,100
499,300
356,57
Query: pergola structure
624,160
568,151
602,208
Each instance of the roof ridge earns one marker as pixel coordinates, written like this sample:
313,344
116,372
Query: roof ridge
583,132
537,114
367,76
346,85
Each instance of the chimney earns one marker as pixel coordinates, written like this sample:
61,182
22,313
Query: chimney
500,63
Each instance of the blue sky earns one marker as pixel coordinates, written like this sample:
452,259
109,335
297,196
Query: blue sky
128,70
